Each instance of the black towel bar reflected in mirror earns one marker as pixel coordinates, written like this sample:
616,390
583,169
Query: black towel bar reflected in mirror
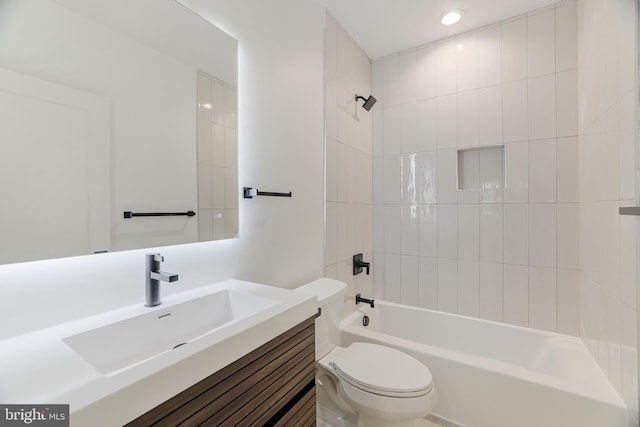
129,214
249,192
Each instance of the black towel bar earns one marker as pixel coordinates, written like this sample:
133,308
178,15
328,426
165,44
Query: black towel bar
248,193
129,214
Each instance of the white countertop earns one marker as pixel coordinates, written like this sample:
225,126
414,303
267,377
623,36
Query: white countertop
39,368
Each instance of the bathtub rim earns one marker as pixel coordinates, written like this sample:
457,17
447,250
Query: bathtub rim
607,393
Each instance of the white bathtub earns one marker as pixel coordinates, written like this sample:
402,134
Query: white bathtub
489,374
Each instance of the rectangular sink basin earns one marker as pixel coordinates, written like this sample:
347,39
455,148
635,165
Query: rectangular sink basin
126,343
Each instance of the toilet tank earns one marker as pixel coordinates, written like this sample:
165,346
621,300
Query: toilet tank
330,294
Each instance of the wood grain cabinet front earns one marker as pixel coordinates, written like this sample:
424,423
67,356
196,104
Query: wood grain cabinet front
274,385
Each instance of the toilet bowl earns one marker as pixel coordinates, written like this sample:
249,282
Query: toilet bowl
377,385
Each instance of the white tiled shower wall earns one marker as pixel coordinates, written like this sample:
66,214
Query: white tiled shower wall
349,203
607,88
507,254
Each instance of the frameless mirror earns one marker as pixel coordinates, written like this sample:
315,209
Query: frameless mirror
109,107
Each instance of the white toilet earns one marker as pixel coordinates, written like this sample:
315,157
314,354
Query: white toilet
379,385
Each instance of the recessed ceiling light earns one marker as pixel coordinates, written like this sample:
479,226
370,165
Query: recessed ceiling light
451,17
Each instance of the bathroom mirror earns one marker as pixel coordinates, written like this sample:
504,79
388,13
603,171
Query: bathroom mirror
109,107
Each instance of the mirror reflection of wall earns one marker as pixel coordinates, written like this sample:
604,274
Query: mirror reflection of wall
217,159
142,59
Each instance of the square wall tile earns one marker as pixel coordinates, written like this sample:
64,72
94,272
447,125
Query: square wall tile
542,107
542,43
515,116
491,291
467,61
428,284
542,298
468,288
516,295
514,50
490,56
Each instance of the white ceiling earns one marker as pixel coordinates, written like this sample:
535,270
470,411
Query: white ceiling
381,27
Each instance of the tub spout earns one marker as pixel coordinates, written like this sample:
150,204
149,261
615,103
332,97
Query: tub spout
359,299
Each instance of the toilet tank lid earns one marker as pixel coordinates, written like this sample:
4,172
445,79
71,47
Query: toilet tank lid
325,289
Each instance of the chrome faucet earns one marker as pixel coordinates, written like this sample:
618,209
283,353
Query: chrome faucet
153,277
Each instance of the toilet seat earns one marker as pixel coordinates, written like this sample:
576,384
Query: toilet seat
380,370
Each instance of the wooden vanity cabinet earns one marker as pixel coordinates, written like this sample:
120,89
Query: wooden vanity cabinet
274,385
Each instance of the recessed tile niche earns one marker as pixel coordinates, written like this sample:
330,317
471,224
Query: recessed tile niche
481,168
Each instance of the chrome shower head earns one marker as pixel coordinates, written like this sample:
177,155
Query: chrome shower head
368,102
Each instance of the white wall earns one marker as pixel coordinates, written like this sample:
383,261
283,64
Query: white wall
349,188
280,149
607,38
509,254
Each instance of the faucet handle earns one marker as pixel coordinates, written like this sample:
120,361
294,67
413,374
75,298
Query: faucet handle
157,257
